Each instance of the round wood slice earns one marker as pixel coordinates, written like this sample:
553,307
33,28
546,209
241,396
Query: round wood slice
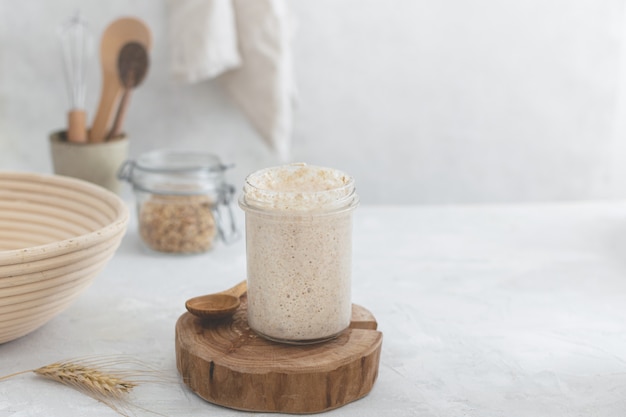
227,363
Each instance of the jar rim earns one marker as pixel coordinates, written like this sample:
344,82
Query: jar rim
337,190
350,204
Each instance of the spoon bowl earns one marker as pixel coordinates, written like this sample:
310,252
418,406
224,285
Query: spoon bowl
132,66
219,305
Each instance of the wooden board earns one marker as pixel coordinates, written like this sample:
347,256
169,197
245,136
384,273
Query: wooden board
226,363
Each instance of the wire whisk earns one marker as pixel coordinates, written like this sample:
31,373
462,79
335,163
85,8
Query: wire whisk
77,47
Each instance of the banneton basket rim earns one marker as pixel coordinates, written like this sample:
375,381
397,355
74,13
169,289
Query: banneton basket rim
64,186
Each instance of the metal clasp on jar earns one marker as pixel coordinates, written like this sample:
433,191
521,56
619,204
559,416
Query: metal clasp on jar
226,225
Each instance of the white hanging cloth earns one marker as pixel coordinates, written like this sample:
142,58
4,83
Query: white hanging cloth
248,44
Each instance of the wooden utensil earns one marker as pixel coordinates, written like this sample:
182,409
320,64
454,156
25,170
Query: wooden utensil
116,35
219,305
132,67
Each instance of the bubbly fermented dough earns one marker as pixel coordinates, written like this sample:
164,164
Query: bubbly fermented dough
298,187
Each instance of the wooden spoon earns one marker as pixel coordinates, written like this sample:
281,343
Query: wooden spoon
116,35
219,305
132,67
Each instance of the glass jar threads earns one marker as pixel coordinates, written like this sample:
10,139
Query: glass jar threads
183,202
299,251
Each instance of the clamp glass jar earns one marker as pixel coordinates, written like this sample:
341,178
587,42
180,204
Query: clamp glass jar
183,201
299,252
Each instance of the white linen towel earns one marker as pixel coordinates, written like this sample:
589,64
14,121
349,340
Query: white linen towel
248,42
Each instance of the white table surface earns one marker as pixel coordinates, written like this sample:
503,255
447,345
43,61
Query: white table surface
504,310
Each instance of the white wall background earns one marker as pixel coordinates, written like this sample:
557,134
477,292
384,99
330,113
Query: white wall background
422,101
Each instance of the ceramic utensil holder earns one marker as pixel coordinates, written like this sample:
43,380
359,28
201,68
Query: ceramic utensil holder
97,163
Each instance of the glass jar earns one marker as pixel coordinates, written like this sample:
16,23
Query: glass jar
299,252
183,202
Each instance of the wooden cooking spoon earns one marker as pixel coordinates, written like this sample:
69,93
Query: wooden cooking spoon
116,35
132,66
219,305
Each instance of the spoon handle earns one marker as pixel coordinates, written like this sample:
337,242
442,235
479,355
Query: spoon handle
120,115
108,100
238,290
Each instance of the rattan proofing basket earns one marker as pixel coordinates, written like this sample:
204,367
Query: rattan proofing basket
56,234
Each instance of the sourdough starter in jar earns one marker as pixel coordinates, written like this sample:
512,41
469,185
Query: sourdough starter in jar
299,252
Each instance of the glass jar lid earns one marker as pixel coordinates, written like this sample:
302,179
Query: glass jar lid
175,172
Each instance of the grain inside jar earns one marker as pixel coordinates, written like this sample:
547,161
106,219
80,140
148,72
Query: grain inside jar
177,223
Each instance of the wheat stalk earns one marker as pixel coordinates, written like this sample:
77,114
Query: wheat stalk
96,377
89,379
